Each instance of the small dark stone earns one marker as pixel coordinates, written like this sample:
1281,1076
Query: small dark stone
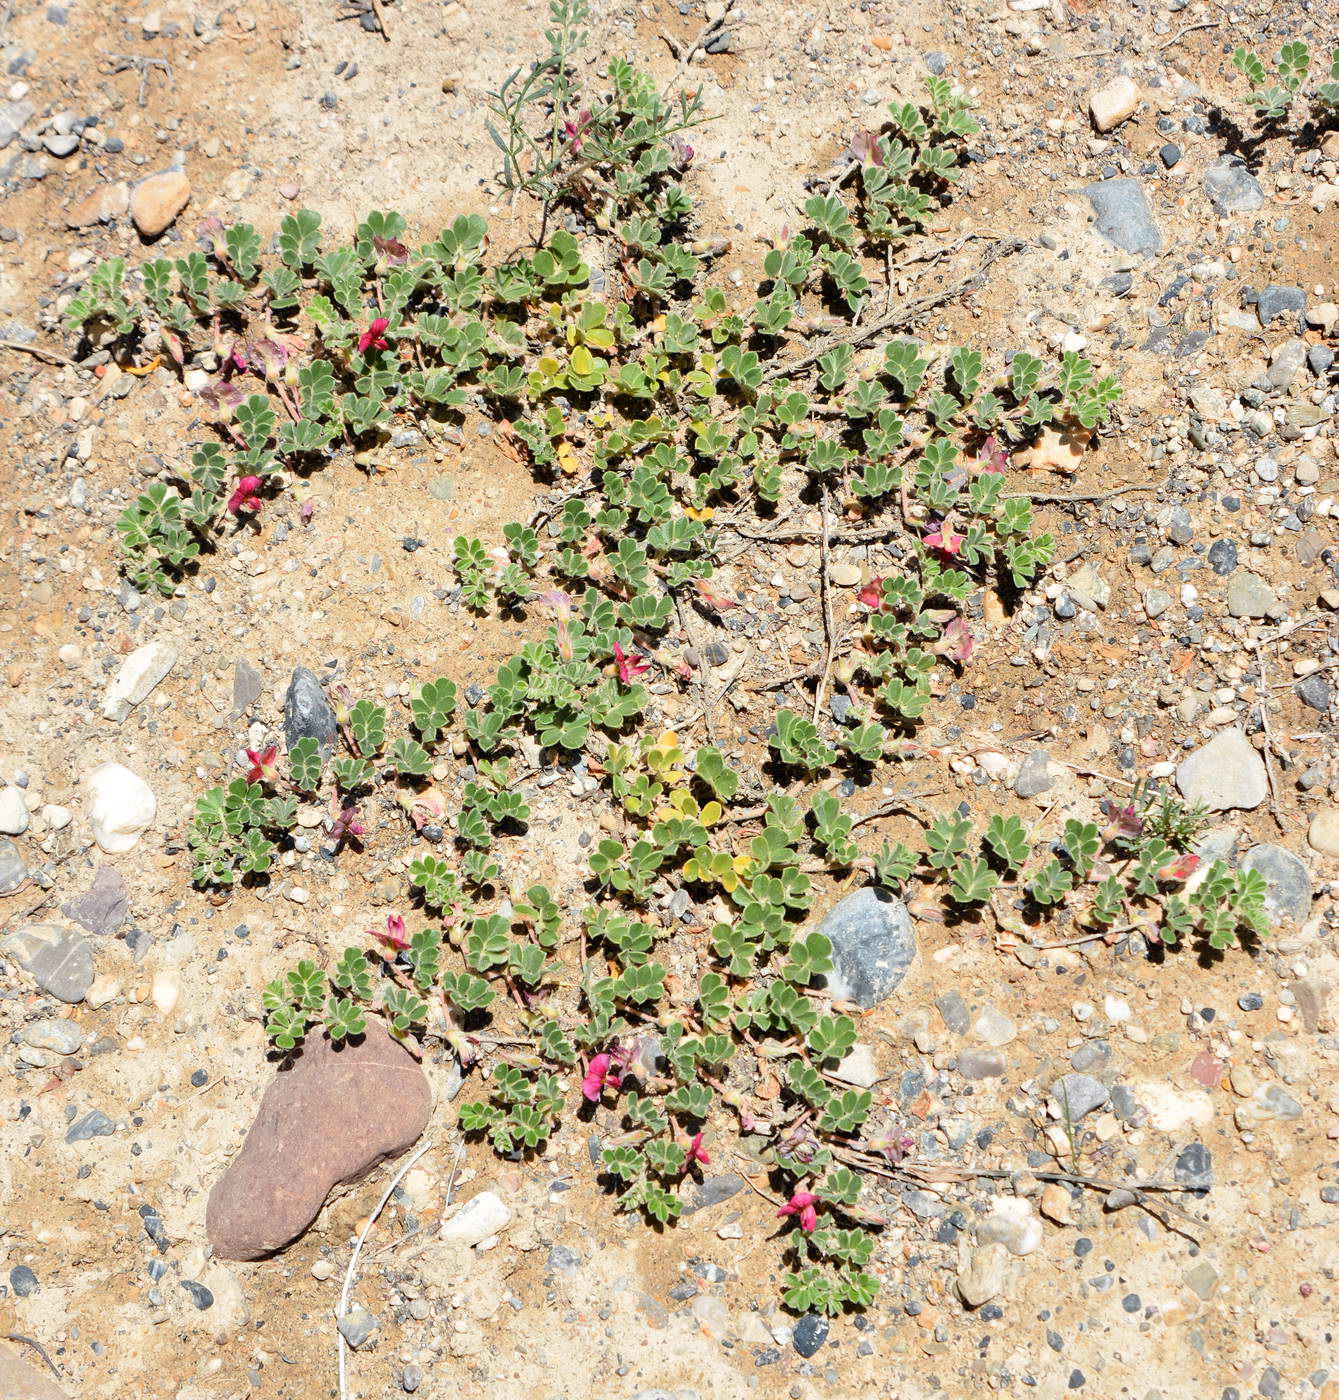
936,62
199,1079
1252,1001
1131,1303
1320,358
1123,216
1276,301
411,1378
1194,1167
1269,1383
308,714
103,907
1170,154
992,1312
720,43
93,1124
811,1331
1076,1379
1222,557
1083,1246
713,1191
716,653
23,1281
1314,690
200,1295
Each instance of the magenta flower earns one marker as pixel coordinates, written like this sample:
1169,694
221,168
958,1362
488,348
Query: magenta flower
803,1205
374,337
262,768
244,497
872,593
695,1152
943,540
575,131
630,665
955,642
602,1073
992,457
394,937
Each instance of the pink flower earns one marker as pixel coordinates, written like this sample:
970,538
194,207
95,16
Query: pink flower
630,665
695,1152
305,512
394,937
716,601
601,1073
803,1205
374,337
575,131
244,497
955,642
872,593
1179,869
992,457
262,768
943,540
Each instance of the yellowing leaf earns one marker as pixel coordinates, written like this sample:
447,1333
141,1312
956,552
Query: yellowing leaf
693,513
711,814
583,362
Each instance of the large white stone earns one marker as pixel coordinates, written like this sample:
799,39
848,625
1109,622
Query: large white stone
1111,105
13,812
122,807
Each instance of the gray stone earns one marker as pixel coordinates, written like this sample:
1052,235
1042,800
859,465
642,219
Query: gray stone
1286,364
1156,602
1314,690
59,1036
1289,894
1088,588
564,1260
873,945
1074,1096
1319,358
1311,996
13,872
1202,1280
1034,774
1224,774
981,1064
713,1191
1271,1103
953,1010
1276,301
1231,188
356,1326
1222,557
59,960
104,906
1194,1167
23,1281
1123,215
13,116
93,1124
308,714
246,686
809,1333
1248,595
1092,1054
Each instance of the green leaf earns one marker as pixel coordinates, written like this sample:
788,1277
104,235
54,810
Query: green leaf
304,764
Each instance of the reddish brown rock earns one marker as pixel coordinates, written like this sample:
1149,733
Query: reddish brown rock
155,202
104,204
327,1119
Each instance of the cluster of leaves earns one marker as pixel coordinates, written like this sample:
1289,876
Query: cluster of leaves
663,404
1272,95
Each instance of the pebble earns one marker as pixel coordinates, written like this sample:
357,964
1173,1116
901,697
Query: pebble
1231,188
57,818
246,686
873,945
357,1325
1275,301
59,960
93,1124
479,1218
1202,1280
102,908
1222,557
980,1064
994,1028
1123,215
136,678
1088,588
13,812
1194,1167
1170,154
121,808
1322,835
1074,1096
23,1281
100,206
845,575
953,1011
1034,774
156,202
1289,893
13,872
1270,1103
199,1294
713,1191
1012,1224
1224,774
308,714
1315,692
1248,595
59,1036
1113,104
1156,602
985,1275
809,1333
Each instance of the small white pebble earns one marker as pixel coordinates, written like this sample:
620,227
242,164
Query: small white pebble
1081,1011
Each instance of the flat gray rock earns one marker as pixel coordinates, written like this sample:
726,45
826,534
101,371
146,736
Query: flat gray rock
1123,215
103,908
873,945
1076,1095
59,960
1224,774
246,687
1232,189
13,872
1289,881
